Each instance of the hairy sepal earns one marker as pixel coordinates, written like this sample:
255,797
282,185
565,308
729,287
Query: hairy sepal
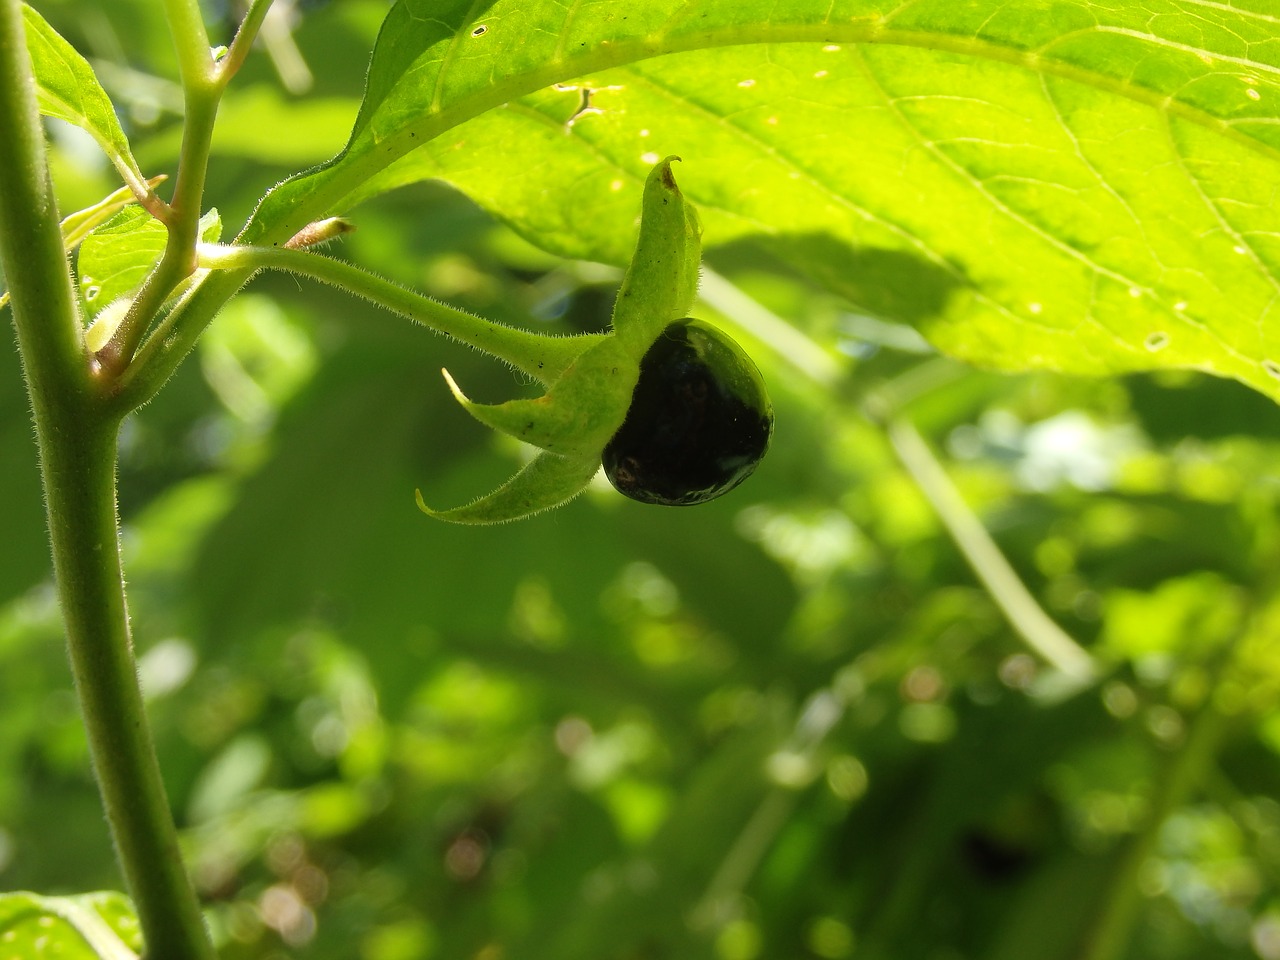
581,411
662,280
545,482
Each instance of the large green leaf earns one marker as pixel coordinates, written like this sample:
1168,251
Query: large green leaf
1081,187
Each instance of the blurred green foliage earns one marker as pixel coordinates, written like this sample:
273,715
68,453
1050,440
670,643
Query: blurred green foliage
788,724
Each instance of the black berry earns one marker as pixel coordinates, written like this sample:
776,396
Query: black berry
699,421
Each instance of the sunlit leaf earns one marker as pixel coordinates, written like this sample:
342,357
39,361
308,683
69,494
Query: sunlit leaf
442,717
1075,187
76,226
67,89
95,925
1191,615
115,258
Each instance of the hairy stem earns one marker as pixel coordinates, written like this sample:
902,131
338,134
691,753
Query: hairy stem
539,355
77,460
173,338
31,249
79,471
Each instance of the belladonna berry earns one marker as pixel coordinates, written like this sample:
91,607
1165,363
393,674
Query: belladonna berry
699,421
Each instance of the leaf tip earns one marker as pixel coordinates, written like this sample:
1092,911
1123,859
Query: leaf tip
545,482
434,514
664,168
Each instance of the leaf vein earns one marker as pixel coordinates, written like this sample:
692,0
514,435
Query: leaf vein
1002,207
1215,209
1231,8
1094,171
450,55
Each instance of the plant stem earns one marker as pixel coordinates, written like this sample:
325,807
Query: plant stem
173,338
539,355
31,250
1039,632
202,90
190,42
77,462
245,35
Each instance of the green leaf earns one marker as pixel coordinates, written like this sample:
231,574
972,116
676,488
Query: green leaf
100,925
1063,186
76,226
66,88
116,257
1194,615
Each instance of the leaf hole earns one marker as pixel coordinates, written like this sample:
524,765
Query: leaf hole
1156,341
480,31
1272,368
91,292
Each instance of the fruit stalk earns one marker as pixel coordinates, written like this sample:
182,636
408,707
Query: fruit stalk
540,356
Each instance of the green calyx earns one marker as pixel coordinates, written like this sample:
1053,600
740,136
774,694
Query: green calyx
587,403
